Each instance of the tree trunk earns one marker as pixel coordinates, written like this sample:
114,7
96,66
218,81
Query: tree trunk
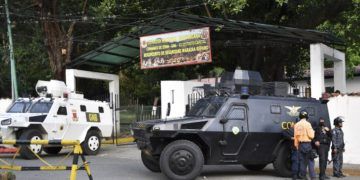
58,41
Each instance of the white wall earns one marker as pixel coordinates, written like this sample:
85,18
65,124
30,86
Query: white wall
348,106
352,85
176,93
4,104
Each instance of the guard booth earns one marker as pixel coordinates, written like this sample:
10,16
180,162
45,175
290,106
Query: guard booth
225,34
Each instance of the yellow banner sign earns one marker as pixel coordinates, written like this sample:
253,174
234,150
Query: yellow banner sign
175,48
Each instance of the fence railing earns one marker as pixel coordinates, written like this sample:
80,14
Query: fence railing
147,112
300,91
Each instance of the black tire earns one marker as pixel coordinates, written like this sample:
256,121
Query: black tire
254,167
30,134
52,150
92,143
282,163
150,162
181,160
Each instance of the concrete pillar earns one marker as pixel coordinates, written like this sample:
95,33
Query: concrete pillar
319,52
113,80
70,80
317,70
340,74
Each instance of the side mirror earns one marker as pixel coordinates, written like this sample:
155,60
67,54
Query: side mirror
168,109
223,121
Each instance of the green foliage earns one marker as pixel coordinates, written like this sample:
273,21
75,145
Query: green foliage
107,19
229,6
347,27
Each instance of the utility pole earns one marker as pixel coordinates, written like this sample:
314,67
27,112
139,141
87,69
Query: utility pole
14,91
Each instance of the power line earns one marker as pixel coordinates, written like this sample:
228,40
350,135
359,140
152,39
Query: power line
112,17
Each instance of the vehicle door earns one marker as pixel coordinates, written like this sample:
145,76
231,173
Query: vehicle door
236,129
79,120
57,124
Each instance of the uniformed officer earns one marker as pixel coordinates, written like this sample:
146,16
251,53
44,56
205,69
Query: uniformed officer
338,147
322,141
303,134
289,135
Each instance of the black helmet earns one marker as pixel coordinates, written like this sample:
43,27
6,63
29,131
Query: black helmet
303,114
338,120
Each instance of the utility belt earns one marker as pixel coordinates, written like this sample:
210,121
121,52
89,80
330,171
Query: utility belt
325,143
342,146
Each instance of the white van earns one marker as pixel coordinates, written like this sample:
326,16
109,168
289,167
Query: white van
56,115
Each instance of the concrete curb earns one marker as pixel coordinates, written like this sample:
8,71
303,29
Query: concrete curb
347,171
119,140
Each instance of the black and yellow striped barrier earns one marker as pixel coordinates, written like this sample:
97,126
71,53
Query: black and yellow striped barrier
77,153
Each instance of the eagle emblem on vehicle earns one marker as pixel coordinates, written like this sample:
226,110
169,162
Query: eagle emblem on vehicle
293,110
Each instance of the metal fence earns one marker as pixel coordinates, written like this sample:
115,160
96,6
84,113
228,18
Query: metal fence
300,91
193,98
144,113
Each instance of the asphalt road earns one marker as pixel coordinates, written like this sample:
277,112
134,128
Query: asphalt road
124,162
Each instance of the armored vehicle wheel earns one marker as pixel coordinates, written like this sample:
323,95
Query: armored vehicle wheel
181,160
282,163
92,143
254,167
30,134
150,162
52,150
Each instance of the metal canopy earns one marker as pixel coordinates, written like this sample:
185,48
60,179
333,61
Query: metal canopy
125,50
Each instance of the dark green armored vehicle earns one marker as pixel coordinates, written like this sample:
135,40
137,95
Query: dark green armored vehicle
237,125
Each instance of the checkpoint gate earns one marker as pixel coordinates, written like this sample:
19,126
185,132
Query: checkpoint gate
73,168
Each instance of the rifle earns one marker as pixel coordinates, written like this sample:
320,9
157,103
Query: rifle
334,155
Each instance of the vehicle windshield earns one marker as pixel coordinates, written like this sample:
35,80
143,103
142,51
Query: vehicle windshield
19,107
207,107
40,107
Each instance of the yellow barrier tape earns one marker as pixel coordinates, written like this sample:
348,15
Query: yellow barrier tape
42,142
5,162
16,153
52,168
120,140
77,152
62,160
70,142
9,141
14,168
41,159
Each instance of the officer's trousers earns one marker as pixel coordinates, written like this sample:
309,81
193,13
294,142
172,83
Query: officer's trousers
323,158
337,162
294,162
304,157
312,172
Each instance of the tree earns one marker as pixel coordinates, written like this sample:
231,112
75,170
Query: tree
347,26
58,38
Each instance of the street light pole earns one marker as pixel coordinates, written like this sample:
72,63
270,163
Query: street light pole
14,91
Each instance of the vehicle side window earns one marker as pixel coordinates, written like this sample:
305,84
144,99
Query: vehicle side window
62,111
236,113
101,109
83,108
275,109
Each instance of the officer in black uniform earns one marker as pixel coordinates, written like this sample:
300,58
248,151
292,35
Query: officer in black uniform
322,142
338,147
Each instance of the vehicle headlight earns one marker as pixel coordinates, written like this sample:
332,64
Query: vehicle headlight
6,122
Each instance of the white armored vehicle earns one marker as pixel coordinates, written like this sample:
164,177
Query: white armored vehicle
57,114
